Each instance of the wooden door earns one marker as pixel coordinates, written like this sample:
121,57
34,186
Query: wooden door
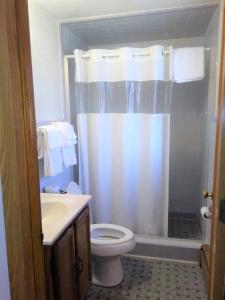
82,233
217,245
65,273
18,155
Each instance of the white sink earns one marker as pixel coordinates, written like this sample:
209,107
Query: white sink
51,211
58,211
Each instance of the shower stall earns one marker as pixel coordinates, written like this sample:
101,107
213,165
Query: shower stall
123,100
146,142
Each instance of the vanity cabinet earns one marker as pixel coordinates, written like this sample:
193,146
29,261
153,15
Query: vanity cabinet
68,261
82,236
65,265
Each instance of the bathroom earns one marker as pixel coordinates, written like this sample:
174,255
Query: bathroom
127,105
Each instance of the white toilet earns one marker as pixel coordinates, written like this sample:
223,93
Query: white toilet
108,243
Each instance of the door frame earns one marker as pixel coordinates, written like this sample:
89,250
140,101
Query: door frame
217,243
18,159
31,144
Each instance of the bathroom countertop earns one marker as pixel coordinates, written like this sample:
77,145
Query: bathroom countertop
58,211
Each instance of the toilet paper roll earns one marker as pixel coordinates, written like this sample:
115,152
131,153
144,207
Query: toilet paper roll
52,189
205,213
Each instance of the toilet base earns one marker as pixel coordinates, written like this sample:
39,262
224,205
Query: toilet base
107,271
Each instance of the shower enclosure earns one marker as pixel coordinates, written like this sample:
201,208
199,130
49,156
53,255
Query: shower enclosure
146,143
123,101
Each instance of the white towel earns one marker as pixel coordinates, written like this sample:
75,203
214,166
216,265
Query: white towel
53,161
69,156
51,149
188,64
53,137
40,146
69,141
69,136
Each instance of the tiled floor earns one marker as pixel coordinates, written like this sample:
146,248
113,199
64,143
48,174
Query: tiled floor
153,279
183,226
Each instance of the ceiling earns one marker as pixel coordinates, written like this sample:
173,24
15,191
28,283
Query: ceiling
185,23
72,9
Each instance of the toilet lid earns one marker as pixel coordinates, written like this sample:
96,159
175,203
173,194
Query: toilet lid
108,234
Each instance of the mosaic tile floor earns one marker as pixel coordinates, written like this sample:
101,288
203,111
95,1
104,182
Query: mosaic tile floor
183,226
154,280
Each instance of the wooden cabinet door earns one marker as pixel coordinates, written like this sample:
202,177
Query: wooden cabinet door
82,233
65,274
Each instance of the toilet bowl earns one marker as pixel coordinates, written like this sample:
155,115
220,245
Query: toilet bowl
108,243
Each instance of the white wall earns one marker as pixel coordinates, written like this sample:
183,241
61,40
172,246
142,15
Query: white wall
60,180
46,64
4,276
69,43
47,79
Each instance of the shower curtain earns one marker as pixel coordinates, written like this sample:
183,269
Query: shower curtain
122,103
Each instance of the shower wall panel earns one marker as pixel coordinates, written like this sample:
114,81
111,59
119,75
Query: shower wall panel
209,118
70,41
185,146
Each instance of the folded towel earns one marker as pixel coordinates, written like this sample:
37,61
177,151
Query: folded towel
56,144
69,156
53,137
188,64
50,142
69,141
53,161
40,146
69,136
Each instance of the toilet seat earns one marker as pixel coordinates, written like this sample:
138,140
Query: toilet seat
110,240
110,234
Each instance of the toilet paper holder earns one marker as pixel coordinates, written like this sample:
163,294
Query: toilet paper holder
206,212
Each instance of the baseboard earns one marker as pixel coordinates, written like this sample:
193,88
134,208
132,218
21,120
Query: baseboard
167,252
161,259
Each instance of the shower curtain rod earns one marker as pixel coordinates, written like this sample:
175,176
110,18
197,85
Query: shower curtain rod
112,55
115,55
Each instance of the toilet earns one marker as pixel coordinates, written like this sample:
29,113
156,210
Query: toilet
108,243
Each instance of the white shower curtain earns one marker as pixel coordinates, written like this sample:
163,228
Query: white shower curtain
123,132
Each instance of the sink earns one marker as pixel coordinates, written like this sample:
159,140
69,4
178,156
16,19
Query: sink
53,211
57,213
